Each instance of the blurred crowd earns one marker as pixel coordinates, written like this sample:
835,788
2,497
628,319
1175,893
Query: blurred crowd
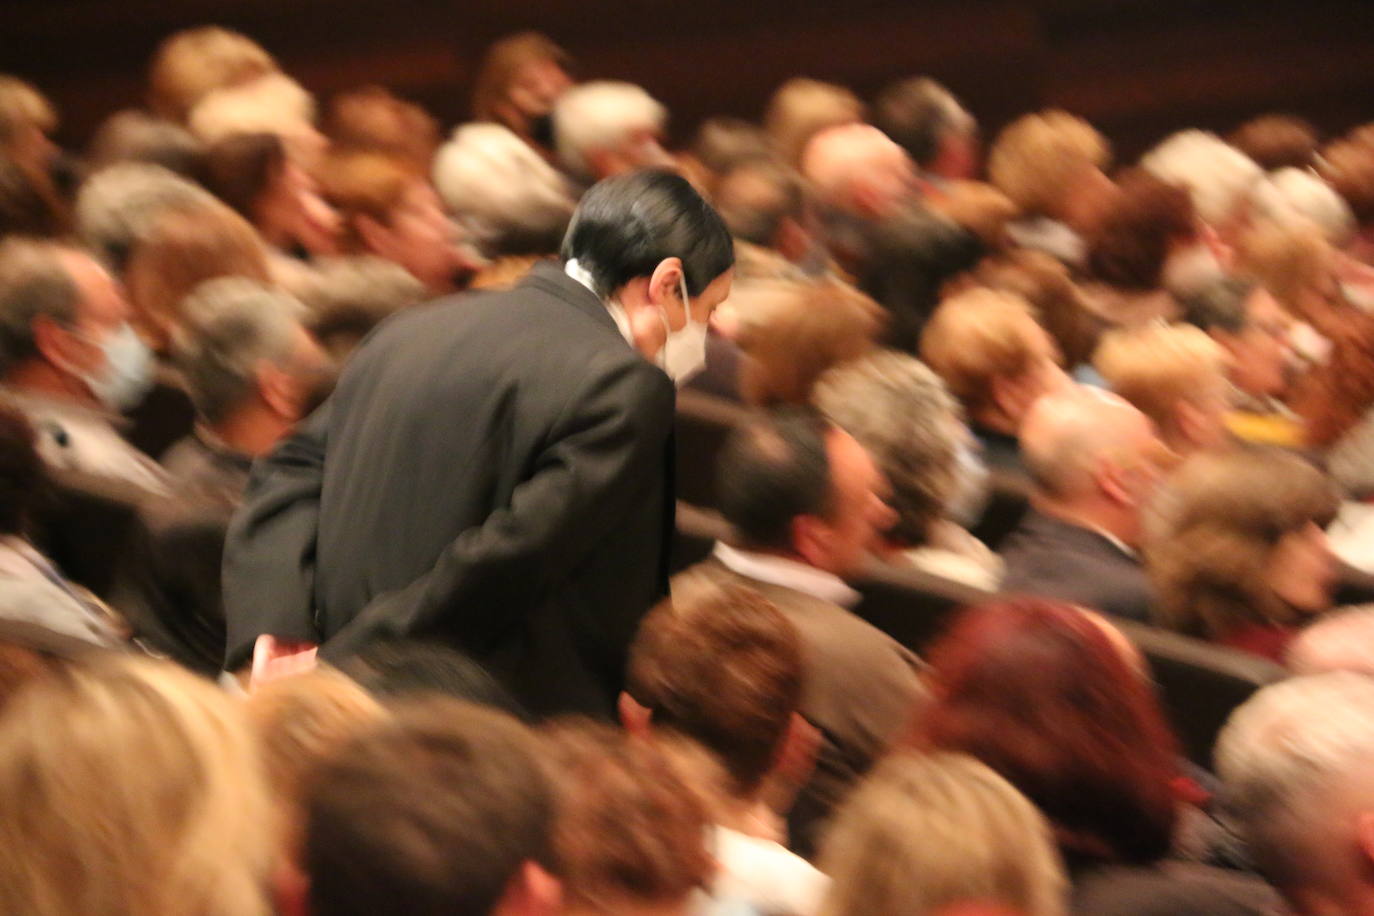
1168,362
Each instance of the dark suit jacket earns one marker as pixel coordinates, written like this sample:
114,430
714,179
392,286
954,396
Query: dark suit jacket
862,688
492,471
1056,559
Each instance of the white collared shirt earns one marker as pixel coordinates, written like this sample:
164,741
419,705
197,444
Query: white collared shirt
776,570
618,314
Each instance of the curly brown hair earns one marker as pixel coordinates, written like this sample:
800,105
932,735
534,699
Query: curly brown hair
1213,529
1134,236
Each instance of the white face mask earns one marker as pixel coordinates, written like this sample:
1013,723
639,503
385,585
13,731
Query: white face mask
970,497
684,351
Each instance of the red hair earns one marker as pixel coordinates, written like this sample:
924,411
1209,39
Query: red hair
1037,691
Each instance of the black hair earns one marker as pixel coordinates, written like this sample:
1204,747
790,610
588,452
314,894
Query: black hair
772,470
626,225
914,113
1220,304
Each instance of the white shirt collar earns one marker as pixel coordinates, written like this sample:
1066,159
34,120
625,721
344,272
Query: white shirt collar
787,573
618,314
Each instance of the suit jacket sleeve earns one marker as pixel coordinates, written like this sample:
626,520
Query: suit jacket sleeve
269,551
608,442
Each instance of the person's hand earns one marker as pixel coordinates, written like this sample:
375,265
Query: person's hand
274,659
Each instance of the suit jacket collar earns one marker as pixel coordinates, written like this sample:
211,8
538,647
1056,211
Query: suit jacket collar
1041,525
549,277
785,573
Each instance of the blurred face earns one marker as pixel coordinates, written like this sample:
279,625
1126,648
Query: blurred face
1015,395
888,183
102,311
292,212
1260,351
860,514
1301,569
420,237
532,92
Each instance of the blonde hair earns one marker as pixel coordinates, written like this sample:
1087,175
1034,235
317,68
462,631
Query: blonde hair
192,63
502,64
977,336
1157,366
130,787
301,720
802,108
1038,157
22,105
924,832
800,330
1291,260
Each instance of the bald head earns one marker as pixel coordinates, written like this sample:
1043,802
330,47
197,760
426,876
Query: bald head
1067,437
857,168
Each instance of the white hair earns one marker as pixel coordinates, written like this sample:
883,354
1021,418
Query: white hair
1284,752
270,104
1343,641
117,205
1217,176
601,115
1291,195
229,327
498,186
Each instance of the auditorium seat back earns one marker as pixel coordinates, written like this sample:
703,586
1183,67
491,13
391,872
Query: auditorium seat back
88,527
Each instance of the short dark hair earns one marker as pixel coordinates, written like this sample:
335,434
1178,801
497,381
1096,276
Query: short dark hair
431,814
33,281
772,470
627,224
723,667
758,220
22,477
1220,304
915,114
241,167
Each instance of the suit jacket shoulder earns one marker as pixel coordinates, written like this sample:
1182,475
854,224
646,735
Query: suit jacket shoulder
1049,557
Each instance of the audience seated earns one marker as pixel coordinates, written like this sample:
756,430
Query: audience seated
442,809
70,360
964,830
131,786
1051,166
804,501
1176,376
1253,329
927,121
797,329
1093,460
1294,765
32,589
1058,703
605,128
250,368
391,212
253,174
1026,771
182,248
725,669
997,360
901,413
1236,549
519,81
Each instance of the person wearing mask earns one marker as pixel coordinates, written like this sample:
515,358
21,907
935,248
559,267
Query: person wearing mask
492,471
70,360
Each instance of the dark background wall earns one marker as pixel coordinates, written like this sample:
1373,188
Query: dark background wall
1137,68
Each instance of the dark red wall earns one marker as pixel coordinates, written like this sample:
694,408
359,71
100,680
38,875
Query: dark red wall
1136,68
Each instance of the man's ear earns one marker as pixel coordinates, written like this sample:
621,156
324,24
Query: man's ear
796,754
634,718
290,890
1112,480
811,540
531,892
665,284
58,345
1364,834
280,390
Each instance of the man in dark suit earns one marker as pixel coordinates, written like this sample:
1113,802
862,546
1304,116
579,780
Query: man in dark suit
492,471
1093,460
804,500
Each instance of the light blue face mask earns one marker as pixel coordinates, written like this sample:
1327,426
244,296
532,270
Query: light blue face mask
127,373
